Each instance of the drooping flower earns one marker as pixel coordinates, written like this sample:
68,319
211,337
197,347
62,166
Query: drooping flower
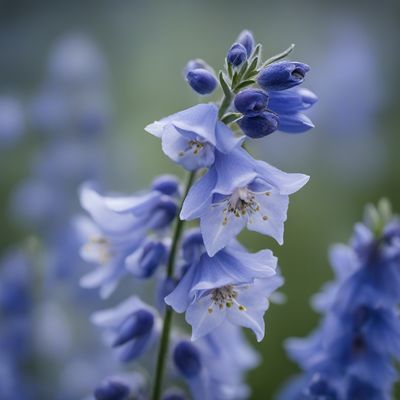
191,137
132,327
115,240
232,285
239,191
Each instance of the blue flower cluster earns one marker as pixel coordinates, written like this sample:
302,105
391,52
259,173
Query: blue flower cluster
203,272
350,356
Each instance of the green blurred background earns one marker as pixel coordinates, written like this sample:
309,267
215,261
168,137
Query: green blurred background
352,156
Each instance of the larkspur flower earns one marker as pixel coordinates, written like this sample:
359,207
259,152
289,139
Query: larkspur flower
191,137
131,327
239,191
118,232
232,285
351,354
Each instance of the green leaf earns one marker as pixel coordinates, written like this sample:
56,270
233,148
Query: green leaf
256,51
230,70
251,69
230,117
224,85
279,56
244,84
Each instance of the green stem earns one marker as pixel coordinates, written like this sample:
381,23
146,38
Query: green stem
164,341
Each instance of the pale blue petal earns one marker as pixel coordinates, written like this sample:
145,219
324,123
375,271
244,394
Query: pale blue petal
201,320
226,140
199,197
134,204
344,261
218,232
270,218
285,183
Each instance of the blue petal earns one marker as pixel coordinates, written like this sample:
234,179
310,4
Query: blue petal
225,138
137,205
199,196
294,123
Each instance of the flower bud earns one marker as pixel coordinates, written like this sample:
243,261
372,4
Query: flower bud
192,245
251,102
282,75
187,359
294,123
292,100
137,324
196,64
260,125
111,389
143,263
166,184
237,54
201,80
163,214
246,39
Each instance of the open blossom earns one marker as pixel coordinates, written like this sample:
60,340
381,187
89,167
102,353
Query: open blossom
232,285
115,238
191,137
239,191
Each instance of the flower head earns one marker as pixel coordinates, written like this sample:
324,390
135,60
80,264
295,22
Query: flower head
239,191
191,137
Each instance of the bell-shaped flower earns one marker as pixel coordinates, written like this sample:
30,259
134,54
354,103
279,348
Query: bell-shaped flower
118,229
132,327
190,137
239,191
233,285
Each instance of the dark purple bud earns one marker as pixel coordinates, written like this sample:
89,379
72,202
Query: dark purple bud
196,64
164,213
237,54
138,324
111,389
166,184
251,102
246,39
282,75
201,81
153,254
260,125
192,245
187,359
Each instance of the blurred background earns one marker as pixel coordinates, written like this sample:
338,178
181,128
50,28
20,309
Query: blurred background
78,83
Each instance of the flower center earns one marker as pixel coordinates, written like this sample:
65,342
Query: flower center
194,146
101,246
224,296
242,202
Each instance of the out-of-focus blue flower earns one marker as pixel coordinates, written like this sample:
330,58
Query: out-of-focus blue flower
11,121
201,80
232,285
282,75
251,102
132,327
174,394
187,359
119,229
237,54
246,39
259,126
239,191
351,354
191,137
121,387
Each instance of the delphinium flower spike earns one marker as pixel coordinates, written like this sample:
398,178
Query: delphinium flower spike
203,272
351,355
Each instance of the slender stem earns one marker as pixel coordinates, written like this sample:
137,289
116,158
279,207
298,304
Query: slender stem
164,341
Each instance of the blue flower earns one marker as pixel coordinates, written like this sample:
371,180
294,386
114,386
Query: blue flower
251,102
237,54
118,230
190,137
201,80
282,75
239,191
11,121
259,126
246,39
132,327
351,354
232,285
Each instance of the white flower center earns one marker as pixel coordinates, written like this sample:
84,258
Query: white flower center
101,247
224,296
194,146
